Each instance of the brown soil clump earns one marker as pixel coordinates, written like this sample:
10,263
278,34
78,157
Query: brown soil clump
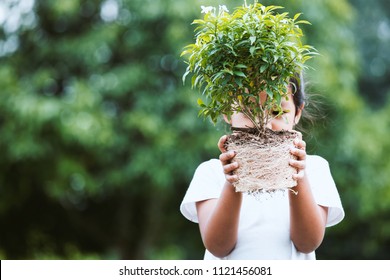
263,160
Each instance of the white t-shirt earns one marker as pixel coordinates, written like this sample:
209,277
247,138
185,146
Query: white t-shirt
264,226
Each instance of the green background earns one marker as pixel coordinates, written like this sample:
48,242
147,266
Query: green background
99,138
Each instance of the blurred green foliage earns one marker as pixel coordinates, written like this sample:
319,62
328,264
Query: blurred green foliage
99,138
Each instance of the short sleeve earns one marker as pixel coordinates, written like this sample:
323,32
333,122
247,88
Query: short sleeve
324,188
206,183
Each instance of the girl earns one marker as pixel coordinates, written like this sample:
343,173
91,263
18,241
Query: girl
285,225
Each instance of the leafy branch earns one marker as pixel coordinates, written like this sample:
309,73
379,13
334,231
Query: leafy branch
240,54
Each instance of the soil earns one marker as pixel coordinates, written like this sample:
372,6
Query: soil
263,159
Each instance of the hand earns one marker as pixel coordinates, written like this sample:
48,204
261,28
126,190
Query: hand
226,160
299,151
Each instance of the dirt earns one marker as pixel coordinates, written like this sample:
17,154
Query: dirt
263,159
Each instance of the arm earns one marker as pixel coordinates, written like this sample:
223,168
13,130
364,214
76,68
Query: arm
218,218
307,219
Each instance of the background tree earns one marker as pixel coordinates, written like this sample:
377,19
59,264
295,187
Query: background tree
97,143
99,138
373,41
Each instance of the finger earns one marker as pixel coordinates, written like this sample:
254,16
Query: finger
231,178
299,175
221,143
298,164
300,144
300,154
229,168
226,157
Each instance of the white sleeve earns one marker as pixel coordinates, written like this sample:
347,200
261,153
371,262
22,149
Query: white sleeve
324,189
207,183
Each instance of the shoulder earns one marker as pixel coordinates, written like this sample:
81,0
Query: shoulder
212,165
206,183
315,163
318,170
316,160
208,173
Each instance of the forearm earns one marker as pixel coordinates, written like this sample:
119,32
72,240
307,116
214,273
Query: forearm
218,221
308,219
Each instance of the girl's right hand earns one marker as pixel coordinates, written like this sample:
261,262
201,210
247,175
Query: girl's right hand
226,160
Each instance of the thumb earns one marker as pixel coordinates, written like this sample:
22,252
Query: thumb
222,144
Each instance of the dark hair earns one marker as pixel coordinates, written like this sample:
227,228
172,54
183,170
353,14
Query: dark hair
298,91
300,98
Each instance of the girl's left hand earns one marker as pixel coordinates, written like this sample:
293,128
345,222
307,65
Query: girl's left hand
299,150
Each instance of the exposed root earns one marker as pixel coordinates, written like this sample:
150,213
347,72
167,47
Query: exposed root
263,161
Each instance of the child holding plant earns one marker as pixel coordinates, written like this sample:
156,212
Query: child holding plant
248,62
237,225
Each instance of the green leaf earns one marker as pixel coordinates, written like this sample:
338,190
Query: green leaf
252,50
303,22
228,71
242,66
238,82
252,39
240,74
263,68
297,16
200,102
